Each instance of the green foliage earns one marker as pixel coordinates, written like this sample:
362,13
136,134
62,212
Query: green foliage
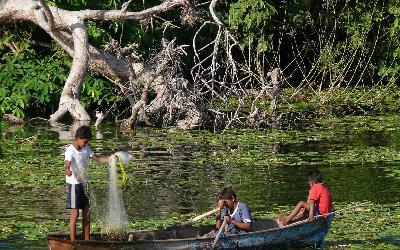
32,78
389,65
35,84
98,93
250,19
28,83
97,35
327,34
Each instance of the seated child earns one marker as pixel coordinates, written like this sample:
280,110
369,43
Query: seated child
236,214
319,200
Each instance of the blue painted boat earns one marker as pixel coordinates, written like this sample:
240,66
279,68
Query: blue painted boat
267,235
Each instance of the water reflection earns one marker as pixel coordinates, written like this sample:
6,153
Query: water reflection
67,132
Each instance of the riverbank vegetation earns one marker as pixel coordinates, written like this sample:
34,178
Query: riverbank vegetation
218,61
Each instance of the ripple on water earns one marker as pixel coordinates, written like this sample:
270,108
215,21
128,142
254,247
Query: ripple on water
171,175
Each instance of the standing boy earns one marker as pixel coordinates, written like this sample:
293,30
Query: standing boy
319,199
235,213
76,160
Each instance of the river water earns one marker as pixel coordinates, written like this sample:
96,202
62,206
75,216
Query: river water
178,174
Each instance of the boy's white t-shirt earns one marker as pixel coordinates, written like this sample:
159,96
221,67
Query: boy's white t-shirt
79,161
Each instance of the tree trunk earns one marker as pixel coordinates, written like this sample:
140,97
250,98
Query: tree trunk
68,29
69,100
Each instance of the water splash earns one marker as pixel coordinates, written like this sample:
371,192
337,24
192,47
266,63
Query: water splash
116,219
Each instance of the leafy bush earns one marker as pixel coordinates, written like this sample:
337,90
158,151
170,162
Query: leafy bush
29,83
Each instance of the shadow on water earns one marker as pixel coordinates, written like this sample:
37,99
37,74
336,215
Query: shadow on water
21,244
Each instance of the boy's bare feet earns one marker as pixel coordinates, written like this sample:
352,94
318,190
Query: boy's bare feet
282,221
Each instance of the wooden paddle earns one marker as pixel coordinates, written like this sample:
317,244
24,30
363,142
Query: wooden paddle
200,216
218,234
189,222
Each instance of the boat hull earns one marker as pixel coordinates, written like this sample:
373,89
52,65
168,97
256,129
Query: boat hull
266,236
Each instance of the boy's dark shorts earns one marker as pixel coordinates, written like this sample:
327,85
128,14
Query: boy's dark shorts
77,197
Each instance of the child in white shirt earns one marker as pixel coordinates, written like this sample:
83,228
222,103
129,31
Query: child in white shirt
77,156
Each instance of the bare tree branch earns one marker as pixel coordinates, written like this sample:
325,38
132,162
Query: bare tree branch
126,5
49,15
124,15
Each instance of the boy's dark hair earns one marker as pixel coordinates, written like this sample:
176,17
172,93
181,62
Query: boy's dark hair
227,193
83,132
315,176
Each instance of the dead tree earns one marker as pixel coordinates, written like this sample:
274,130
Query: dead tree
68,29
219,79
216,77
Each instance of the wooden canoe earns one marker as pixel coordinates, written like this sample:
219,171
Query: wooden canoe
267,235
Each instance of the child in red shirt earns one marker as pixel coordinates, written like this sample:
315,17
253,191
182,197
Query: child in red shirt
319,200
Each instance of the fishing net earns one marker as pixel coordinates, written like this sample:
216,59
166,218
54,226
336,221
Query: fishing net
116,220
